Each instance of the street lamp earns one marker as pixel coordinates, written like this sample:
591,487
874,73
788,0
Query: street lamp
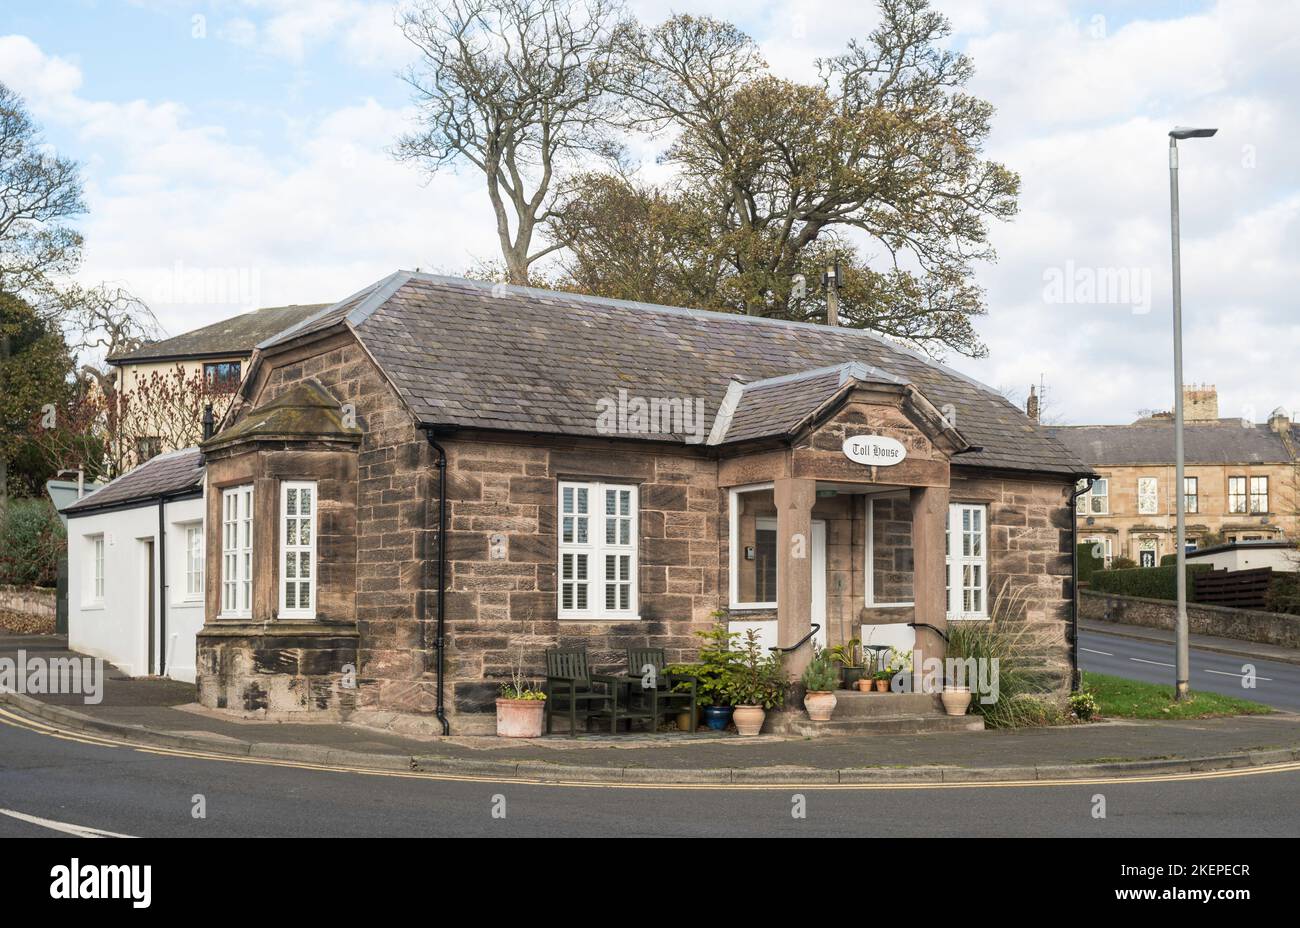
1182,671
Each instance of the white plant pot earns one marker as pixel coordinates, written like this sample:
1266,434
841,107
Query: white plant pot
819,706
749,719
956,699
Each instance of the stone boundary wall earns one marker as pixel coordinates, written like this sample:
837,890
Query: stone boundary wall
28,601
1273,628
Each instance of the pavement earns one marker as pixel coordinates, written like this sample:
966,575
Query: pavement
161,713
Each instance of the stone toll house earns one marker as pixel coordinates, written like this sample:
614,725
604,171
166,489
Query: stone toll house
326,540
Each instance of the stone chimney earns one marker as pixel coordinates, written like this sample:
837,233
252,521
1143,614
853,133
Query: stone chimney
1200,404
1031,404
1279,421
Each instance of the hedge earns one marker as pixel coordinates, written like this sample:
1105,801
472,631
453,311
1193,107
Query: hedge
1089,560
31,540
1150,582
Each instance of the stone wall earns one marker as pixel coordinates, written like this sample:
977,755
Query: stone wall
29,601
1218,621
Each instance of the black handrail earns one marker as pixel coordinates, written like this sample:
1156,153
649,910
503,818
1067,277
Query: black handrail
942,634
800,643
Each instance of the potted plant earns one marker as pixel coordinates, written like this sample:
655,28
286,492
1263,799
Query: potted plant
956,699
882,678
714,672
849,656
866,684
819,679
757,684
899,662
521,707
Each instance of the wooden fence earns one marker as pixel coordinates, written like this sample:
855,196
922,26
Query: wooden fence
1236,589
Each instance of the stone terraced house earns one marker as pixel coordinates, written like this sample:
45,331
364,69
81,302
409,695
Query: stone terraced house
585,471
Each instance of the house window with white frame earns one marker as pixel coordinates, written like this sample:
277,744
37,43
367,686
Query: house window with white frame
194,560
1258,495
1096,501
753,548
966,561
1190,495
297,549
237,552
1236,494
598,550
95,582
1148,496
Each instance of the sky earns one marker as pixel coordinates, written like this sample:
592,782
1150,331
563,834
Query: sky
235,153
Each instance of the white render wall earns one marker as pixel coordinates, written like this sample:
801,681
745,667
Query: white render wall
1244,557
117,629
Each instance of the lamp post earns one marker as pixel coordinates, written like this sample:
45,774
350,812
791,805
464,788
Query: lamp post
1182,669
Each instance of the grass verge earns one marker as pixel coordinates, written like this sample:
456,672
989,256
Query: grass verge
1118,698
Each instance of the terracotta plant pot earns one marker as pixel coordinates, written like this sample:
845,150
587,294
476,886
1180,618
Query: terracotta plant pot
882,686
684,720
520,718
749,719
956,699
864,686
819,705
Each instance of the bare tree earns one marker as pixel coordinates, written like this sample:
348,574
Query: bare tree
517,89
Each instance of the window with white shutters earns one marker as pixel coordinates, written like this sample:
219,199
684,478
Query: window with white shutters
598,550
297,550
966,564
237,552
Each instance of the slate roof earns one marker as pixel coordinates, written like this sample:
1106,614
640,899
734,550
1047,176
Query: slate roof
165,475
467,354
778,406
1151,441
235,336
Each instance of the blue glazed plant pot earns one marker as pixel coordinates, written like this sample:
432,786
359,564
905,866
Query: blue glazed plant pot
717,717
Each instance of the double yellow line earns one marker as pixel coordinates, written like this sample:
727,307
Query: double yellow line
20,721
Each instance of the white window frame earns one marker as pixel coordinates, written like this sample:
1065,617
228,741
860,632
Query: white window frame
959,561
733,543
236,552
1154,496
1251,494
95,576
1085,502
194,563
597,549
297,548
870,566
1192,500
1244,495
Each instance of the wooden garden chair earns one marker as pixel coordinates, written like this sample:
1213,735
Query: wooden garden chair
570,681
664,698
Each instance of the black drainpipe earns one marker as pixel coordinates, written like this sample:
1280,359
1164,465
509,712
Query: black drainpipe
162,587
440,637
1074,584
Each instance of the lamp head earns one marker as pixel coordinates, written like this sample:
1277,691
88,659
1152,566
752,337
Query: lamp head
1186,132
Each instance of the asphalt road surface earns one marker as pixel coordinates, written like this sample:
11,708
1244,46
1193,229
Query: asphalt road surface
1276,684
55,786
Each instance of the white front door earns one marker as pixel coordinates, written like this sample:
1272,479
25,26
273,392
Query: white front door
766,628
819,580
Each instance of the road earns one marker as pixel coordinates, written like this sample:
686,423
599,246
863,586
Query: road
52,786
1277,684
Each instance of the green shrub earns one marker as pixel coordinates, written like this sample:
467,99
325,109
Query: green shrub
31,540
1084,705
1149,582
1090,559
1284,593
820,676
1025,689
